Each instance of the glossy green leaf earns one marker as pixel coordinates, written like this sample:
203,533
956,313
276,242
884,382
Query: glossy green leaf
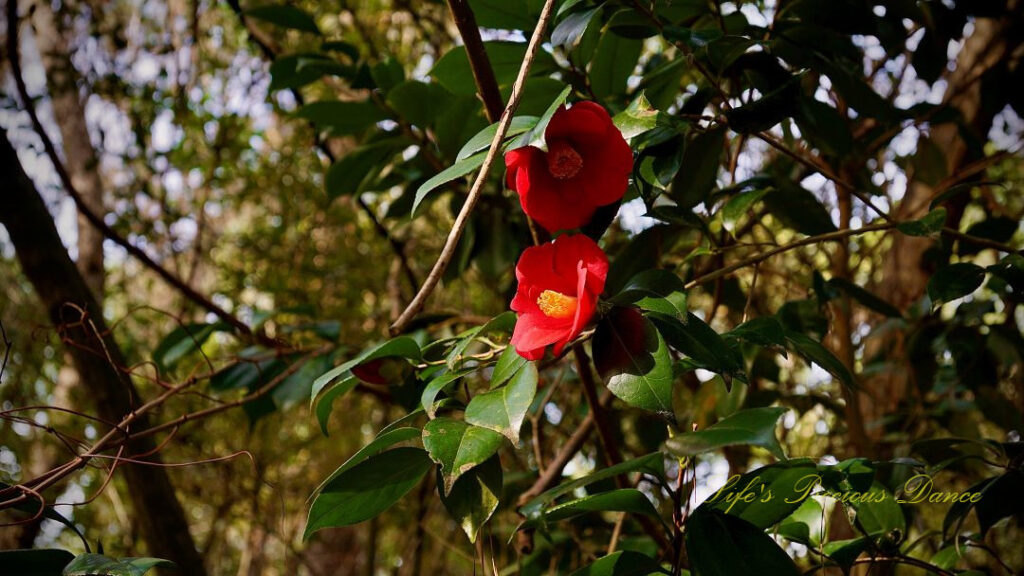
458,447
453,72
359,168
806,525
955,281
482,140
367,489
614,62
752,427
508,364
622,563
655,290
503,410
931,223
568,32
652,464
475,496
633,360
845,552
879,514
698,168
763,331
639,117
738,205
623,500
768,494
506,14
814,351
183,340
535,135
418,102
720,544
386,439
698,341
323,404
457,170
342,118
100,565
440,382
284,16
866,298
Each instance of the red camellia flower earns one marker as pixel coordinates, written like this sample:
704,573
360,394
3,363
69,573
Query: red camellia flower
559,283
587,165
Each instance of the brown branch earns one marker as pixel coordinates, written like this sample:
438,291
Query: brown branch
479,63
448,251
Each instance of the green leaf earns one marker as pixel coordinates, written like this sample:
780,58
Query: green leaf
323,404
768,494
284,16
418,102
508,364
35,562
614,62
655,290
723,545
367,489
506,14
436,385
475,496
763,331
458,447
652,464
387,74
738,205
294,71
753,427
352,172
633,360
813,351
100,565
806,525
342,118
639,117
622,563
698,341
931,223
766,111
454,73
798,208
845,552
482,139
866,298
386,439
401,347
183,340
879,515
569,31
536,133
955,281
698,168
503,410
624,500
457,170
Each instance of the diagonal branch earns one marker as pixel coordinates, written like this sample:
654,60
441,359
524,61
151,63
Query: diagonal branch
479,63
448,251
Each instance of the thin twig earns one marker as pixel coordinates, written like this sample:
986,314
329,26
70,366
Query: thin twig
462,219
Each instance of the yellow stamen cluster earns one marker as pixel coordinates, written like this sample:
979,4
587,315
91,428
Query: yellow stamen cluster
556,305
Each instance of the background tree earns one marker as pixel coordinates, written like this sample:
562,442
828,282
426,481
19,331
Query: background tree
820,245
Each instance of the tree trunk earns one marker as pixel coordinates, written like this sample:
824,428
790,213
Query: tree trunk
994,46
97,358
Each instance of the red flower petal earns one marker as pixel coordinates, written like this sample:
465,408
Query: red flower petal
562,203
572,266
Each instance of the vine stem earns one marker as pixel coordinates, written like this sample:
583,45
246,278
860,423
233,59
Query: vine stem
448,251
